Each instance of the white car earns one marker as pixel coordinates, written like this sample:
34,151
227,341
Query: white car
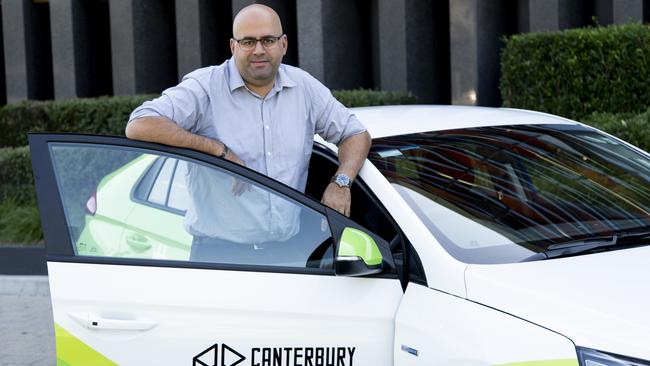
478,236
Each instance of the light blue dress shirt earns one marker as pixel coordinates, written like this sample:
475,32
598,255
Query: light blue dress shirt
272,135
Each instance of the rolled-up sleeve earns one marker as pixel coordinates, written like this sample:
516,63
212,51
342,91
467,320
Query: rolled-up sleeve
185,104
334,121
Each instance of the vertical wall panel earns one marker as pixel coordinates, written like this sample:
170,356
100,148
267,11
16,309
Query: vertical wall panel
93,48
411,32
155,43
310,43
619,11
123,47
3,80
203,28
63,48
143,46
476,29
463,19
336,42
552,15
27,49
41,82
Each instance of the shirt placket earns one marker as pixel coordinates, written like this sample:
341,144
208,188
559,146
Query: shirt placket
268,159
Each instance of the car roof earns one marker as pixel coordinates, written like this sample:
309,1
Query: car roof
383,121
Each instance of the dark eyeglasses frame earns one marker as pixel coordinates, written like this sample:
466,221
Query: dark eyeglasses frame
260,39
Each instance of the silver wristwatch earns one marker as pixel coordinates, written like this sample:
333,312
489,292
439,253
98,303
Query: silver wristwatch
342,180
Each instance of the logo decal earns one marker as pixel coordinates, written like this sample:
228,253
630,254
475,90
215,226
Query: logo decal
210,357
224,355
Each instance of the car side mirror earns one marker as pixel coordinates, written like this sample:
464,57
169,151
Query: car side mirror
357,254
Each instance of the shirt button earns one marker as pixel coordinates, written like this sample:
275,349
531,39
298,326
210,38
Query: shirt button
266,127
268,153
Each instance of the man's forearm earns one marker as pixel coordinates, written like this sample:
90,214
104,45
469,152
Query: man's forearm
165,131
353,151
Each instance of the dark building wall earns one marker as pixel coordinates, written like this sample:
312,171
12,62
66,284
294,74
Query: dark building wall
93,53
39,51
155,40
443,51
496,18
3,80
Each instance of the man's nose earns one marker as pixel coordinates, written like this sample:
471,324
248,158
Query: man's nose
259,49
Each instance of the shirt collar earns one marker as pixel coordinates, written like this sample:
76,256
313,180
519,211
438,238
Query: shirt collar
235,81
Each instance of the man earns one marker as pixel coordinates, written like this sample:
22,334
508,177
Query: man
257,112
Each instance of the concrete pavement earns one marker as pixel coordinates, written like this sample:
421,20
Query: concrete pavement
26,325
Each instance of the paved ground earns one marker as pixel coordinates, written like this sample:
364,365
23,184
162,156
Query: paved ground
26,330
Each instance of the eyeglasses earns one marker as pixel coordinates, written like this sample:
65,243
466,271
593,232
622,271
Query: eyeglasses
248,43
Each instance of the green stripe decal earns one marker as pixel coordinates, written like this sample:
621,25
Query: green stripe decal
70,351
567,362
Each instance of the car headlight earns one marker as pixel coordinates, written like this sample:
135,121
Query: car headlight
591,357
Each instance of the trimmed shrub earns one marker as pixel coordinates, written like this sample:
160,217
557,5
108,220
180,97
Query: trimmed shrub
633,128
103,115
20,224
16,179
367,97
577,72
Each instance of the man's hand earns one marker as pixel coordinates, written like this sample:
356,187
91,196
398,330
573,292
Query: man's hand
337,198
238,186
352,153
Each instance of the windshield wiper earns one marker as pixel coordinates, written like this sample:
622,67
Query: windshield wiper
574,247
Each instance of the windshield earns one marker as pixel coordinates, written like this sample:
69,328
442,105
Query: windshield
501,194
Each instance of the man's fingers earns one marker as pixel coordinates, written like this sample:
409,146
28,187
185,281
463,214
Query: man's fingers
238,187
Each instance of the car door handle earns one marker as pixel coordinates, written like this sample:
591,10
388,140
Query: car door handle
94,321
137,241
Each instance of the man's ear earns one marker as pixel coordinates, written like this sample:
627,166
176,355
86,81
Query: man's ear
233,43
285,44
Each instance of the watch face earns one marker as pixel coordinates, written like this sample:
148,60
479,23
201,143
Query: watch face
342,180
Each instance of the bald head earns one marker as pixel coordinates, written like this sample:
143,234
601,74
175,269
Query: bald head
254,17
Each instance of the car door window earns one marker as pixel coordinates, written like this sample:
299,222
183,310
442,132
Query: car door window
217,216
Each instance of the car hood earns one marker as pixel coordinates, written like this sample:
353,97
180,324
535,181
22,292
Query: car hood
599,301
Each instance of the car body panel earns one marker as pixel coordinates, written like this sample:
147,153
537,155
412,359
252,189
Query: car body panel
385,121
600,300
443,272
448,330
192,309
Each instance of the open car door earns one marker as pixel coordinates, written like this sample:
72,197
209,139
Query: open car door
121,221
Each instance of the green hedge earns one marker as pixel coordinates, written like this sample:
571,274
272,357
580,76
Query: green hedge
108,115
630,127
577,72
16,180
366,97
104,115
